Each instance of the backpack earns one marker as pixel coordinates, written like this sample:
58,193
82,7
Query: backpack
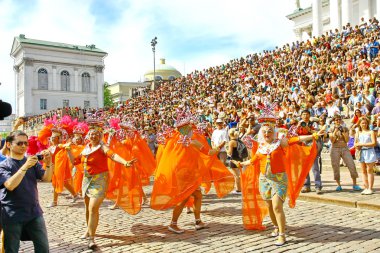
241,149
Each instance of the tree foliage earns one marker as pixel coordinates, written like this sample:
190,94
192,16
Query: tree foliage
107,96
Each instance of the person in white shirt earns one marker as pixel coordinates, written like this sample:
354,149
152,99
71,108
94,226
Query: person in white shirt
218,140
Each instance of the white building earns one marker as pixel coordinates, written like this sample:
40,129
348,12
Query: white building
52,75
122,91
6,124
326,15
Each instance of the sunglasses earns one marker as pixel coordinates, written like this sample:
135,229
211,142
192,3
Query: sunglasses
22,143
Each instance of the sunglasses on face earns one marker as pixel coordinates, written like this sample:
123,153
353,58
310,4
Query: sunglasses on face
22,143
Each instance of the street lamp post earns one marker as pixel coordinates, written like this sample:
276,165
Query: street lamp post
153,43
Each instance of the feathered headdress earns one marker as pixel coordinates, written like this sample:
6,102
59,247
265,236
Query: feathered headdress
96,121
184,117
128,124
52,126
80,128
267,116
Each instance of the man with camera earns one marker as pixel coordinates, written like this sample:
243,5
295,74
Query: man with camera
307,127
21,213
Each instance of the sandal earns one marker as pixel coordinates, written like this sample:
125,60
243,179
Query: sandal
113,207
86,236
199,224
175,230
91,243
280,239
75,198
52,204
275,232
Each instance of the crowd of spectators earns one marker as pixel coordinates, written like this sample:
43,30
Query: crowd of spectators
335,73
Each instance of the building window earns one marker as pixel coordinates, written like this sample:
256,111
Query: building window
65,81
66,103
86,85
43,104
158,78
42,79
171,78
86,104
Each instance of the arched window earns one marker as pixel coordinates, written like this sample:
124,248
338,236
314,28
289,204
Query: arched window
65,81
158,78
86,85
171,78
42,79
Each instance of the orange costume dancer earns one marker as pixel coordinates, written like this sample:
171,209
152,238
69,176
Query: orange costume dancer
185,162
125,186
96,177
61,179
278,168
77,147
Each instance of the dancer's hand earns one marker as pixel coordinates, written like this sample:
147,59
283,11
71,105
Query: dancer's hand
130,163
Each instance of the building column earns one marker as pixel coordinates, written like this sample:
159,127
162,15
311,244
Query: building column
346,12
378,9
99,82
297,4
76,81
298,33
364,9
54,79
317,17
29,103
335,15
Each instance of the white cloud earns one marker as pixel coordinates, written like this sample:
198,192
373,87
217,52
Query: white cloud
127,41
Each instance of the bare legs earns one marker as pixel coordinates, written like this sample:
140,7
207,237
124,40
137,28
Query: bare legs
368,177
236,173
69,187
92,218
197,194
277,216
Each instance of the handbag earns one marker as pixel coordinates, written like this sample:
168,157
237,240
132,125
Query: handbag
358,153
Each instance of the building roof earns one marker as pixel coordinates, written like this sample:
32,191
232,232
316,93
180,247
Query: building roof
23,40
301,11
164,68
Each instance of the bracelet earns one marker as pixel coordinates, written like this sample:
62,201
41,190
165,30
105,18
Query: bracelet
24,170
315,136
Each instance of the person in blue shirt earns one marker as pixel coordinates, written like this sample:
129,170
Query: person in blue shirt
374,48
2,158
21,213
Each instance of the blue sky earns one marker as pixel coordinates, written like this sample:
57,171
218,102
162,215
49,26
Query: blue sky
191,34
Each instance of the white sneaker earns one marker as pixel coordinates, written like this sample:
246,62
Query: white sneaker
369,192
364,192
236,192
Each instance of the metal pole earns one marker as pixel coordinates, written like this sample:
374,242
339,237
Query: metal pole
153,43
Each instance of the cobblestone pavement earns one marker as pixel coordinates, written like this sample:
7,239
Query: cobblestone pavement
312,227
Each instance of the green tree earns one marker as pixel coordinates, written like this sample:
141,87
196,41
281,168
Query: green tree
107,95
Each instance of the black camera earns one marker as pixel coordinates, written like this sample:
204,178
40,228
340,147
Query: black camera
303,124
40,157
340,128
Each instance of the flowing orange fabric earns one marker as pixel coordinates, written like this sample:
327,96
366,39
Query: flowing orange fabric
299,160
62,170
146,164
125,187
177,176
78,177
215,171
181,170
